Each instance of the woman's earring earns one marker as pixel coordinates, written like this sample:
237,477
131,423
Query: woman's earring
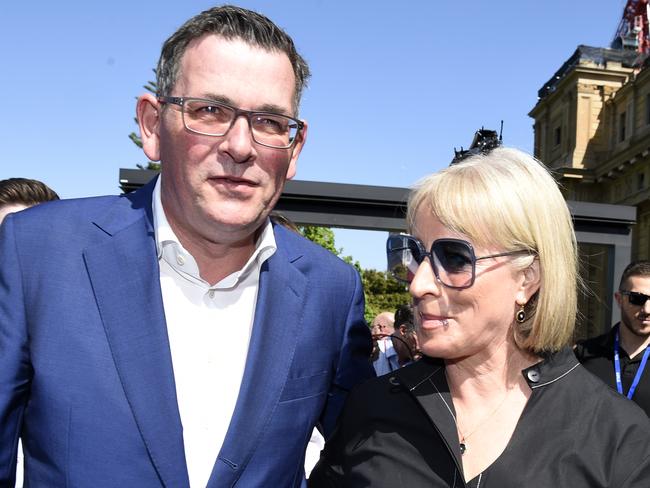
520,316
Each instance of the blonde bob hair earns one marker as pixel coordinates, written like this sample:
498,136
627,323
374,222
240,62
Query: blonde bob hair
507,200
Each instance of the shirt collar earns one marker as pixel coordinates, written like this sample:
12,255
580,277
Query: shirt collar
169,248
552,368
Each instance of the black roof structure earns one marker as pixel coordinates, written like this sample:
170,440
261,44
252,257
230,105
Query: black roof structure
368,207
383,208
599,55
318,203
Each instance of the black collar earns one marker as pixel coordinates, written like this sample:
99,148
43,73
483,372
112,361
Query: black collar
427,382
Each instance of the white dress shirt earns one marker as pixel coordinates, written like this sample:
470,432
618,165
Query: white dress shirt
209,328
387,360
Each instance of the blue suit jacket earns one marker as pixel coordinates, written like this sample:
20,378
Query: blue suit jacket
86,374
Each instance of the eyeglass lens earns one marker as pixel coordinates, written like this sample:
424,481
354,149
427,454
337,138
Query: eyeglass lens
455,262
404,257
452,260
636,298
211,118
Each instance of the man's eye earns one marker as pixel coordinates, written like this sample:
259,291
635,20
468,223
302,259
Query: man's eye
211,109
270,124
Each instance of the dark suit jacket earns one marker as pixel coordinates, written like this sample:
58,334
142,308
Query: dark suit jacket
85,366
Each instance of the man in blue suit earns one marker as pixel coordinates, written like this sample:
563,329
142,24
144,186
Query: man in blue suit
174,337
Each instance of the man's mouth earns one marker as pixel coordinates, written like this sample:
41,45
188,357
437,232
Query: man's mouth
233,181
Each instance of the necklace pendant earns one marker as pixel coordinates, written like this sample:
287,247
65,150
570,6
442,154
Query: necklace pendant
463,448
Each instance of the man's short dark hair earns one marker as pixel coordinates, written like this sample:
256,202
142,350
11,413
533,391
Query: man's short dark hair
635,268
404,316
24,191
229,22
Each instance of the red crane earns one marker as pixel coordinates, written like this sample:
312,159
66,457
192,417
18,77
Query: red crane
632,32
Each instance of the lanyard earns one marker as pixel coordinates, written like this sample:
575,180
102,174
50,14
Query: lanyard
617,368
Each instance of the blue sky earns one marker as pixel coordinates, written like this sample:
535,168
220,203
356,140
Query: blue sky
395,86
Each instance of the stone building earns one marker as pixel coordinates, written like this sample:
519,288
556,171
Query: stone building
592,128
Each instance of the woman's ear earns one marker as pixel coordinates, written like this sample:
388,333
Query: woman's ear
148,114
530,283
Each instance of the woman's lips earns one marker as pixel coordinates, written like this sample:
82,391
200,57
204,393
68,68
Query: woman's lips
432,321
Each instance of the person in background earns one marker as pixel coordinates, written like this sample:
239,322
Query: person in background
619,357
20,193
404,337
384,355
498,399
17,194
175,336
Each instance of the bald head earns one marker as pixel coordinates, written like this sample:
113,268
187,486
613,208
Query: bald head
383,324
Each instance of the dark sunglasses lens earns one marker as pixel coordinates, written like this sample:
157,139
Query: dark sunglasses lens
404,257
454,256
637,298
455,262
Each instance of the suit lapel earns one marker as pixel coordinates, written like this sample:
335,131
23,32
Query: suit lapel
124,274
426,381
278,319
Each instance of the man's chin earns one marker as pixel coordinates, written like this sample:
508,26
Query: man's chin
240,224
642,328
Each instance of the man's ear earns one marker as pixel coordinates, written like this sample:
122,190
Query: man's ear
619,298
530,283
301,138
148,113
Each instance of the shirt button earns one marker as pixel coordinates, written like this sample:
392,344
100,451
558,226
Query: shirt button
211,293
180,259
533,375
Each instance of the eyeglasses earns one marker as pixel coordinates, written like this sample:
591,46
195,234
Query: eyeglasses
212,118
635,297
453,260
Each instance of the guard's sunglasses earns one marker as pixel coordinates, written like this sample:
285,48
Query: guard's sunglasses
635,297
453,260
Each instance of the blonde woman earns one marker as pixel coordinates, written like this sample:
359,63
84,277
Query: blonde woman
498,399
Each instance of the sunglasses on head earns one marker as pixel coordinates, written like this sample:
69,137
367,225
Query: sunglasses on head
635,297
453,260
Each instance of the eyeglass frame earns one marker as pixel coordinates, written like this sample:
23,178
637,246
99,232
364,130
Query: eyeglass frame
248,114
629,294
429,254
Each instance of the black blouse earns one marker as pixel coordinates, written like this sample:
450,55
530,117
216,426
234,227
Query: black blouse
399,430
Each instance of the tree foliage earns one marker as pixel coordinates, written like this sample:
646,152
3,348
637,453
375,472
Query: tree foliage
324,236
382,291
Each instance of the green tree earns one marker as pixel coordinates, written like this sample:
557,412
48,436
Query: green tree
324,236
382,291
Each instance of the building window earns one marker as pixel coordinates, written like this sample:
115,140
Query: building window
621,126
557,135
640,181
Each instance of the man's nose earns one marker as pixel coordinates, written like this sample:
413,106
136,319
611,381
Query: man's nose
238,141
646,307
